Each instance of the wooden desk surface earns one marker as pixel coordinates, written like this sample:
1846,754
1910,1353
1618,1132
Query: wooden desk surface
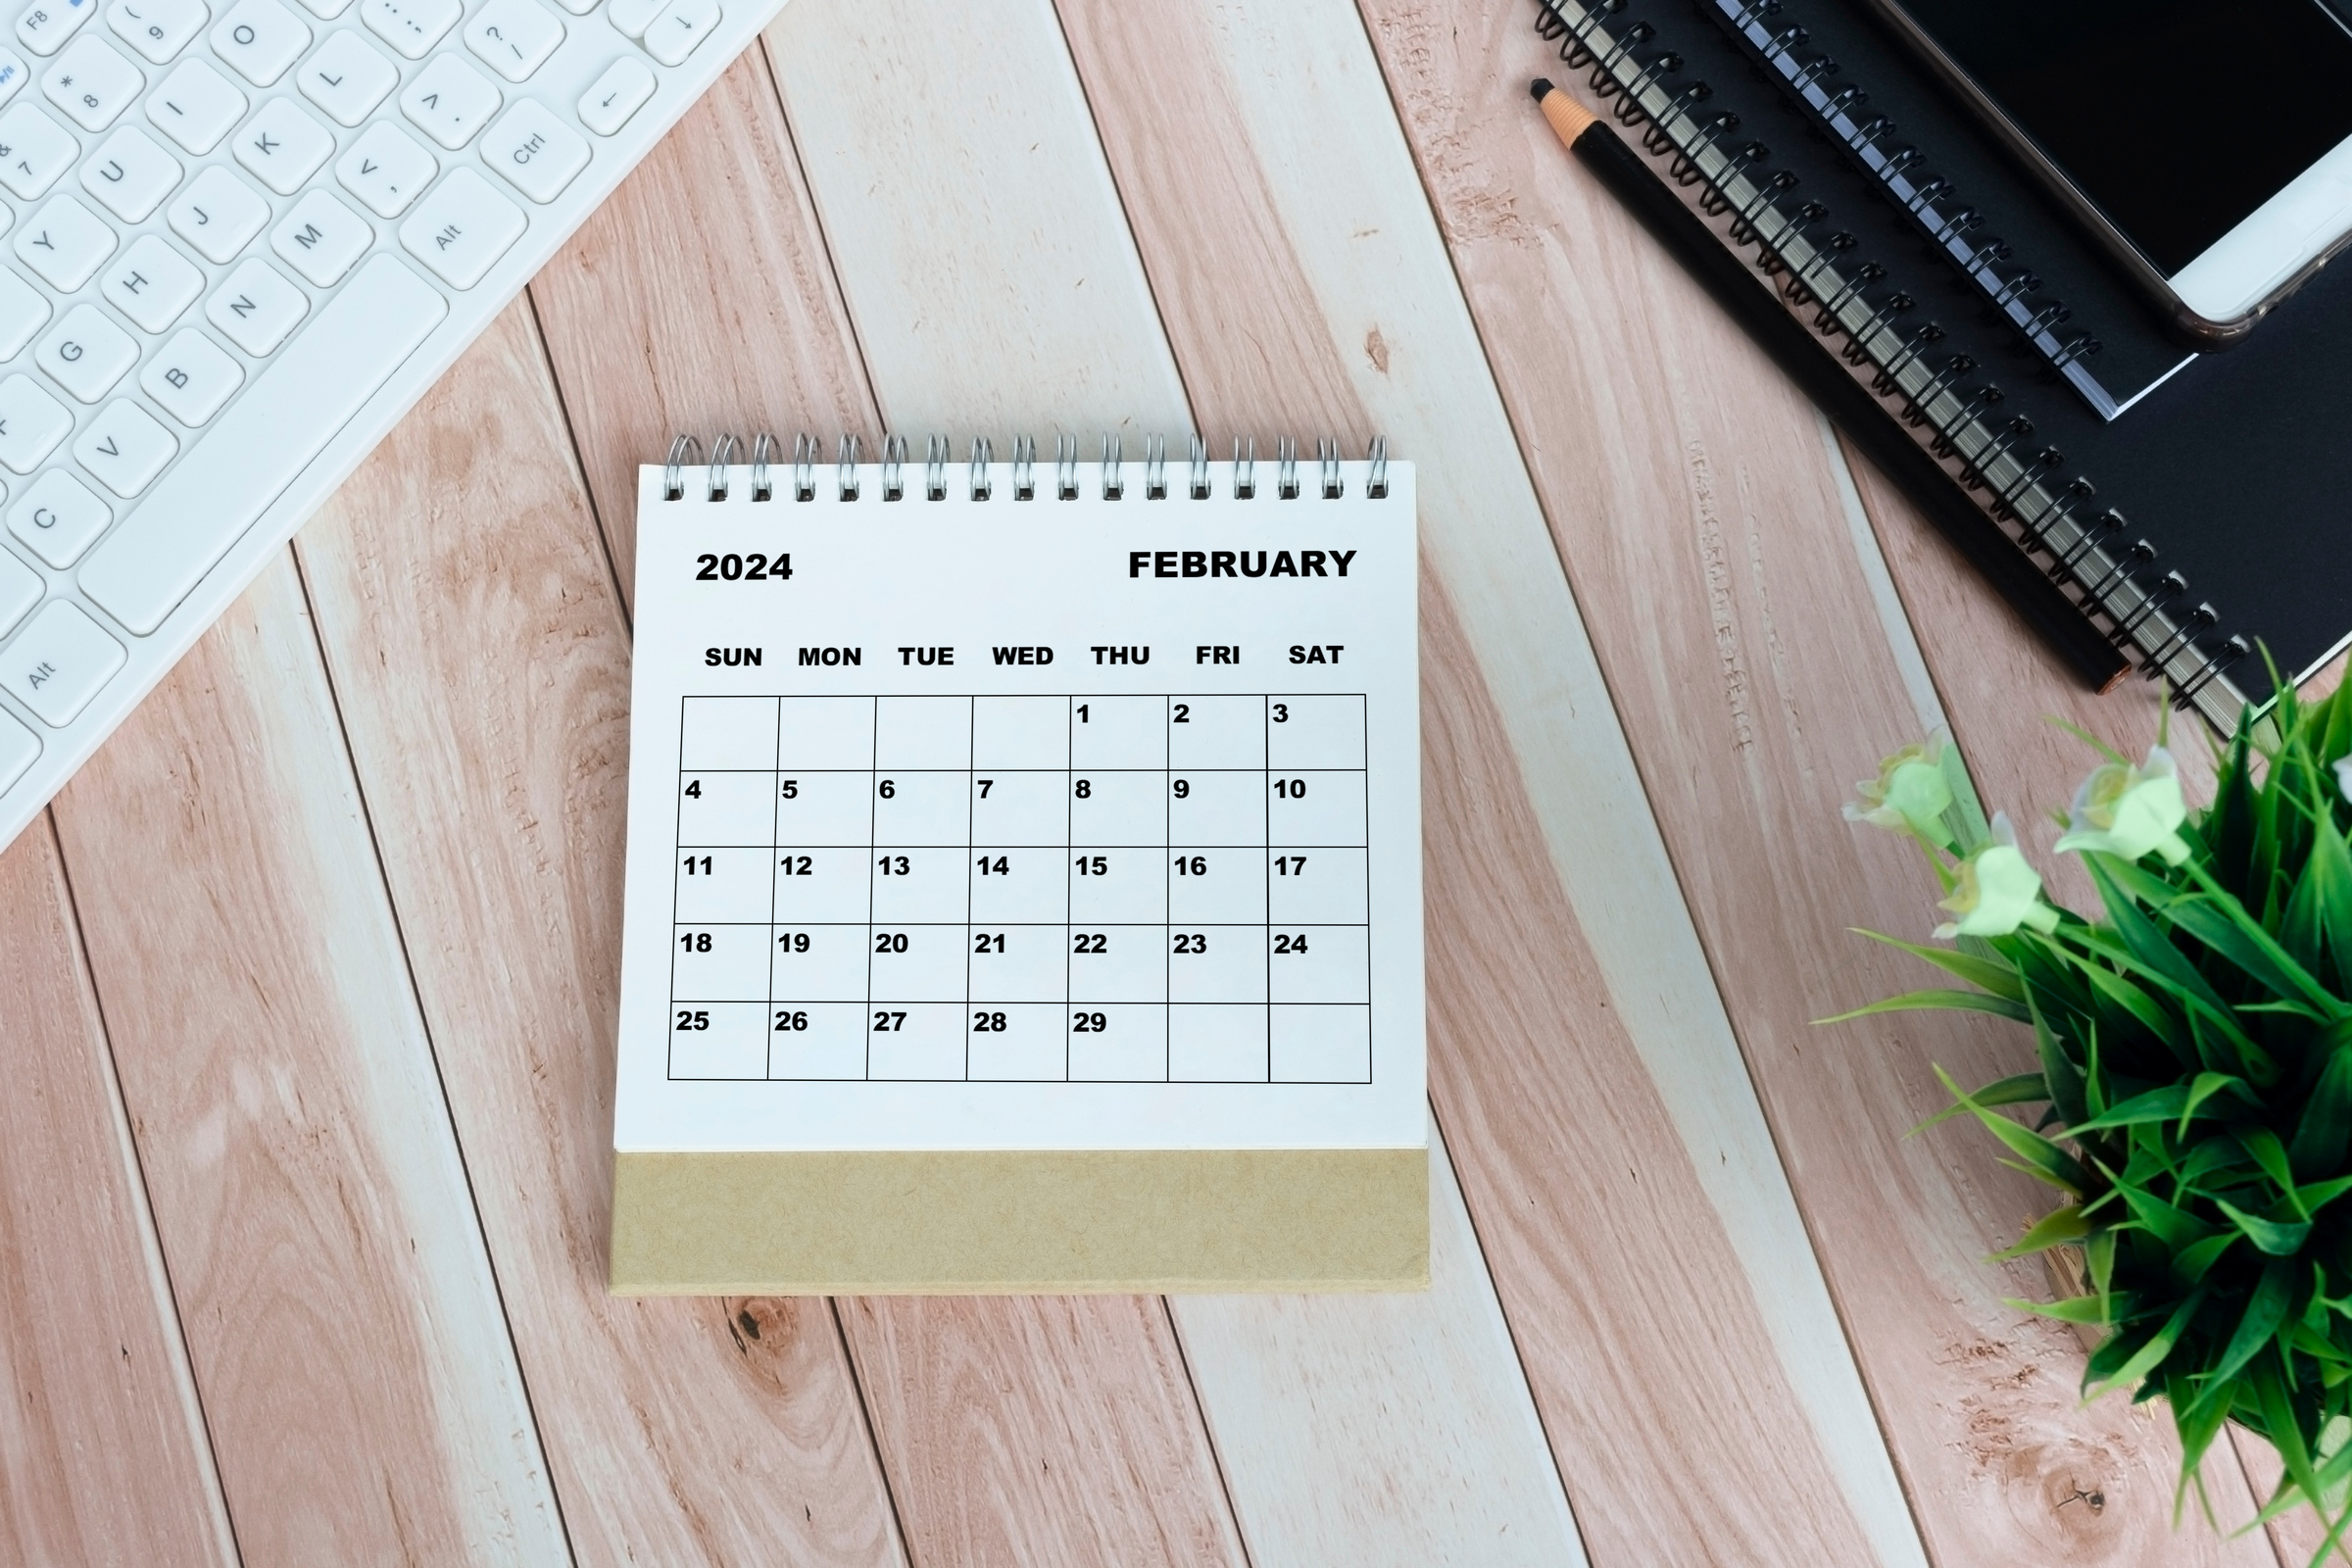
308,979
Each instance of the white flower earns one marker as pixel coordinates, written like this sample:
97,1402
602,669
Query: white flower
1910,794
2343,775
1995,891
2129,811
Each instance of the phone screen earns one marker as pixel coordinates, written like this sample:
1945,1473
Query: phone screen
2177,117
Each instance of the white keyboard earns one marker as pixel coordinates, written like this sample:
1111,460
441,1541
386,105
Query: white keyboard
237,241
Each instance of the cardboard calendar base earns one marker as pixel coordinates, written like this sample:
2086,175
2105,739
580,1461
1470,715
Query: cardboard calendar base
969,1222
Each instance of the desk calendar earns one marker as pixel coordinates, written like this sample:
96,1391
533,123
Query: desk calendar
1023,878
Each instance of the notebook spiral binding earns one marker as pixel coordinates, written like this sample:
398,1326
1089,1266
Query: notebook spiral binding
717,475
2148,612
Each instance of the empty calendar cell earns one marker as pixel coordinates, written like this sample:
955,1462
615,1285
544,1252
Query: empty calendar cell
1308,732
822,885
723,887
816,1040
825,808
1018,1040
826,732
915,1040
1315,808
1020,732
718,1040
919,732
1210,1043
1020,807
728,732
719,963
1216,885
1020,963
1217,963
1112,806
717,809
1317,887
817,962
1022,883
916,884
1119,732
1327,1045
1118,1043
918,806
1217,732
1118,887
1118,963
1318,964
915,964
1212,806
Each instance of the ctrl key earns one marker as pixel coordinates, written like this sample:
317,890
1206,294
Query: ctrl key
58,663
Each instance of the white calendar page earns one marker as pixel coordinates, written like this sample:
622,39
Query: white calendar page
1018,825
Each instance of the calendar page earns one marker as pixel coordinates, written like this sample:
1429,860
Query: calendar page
1072,821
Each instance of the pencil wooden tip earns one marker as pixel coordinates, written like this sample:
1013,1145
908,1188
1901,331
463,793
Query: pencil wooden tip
1569,118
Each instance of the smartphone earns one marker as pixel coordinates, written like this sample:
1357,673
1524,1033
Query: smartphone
2208,148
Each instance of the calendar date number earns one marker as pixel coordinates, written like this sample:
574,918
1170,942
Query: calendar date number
751,567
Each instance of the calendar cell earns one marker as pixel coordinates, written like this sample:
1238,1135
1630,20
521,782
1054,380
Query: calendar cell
1319,1044
1209,732
1216,885
1019,1040
919,883
1315,808
825,808
723,887
822,885
818,962
1026,885
824,733
719,963
915,1040
922,732
913,807
1309,732
1118,806
718,1040
1213,1044
916,963
1118,1043
1216,807
1021,732
816,1040
1020,963
1112,732
727,733
1118,963
1318,964
726,808
1118,887
1317,887
1217,963
1020,807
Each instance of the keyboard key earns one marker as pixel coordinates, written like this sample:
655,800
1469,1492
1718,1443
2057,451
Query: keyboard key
157,28
18,747
261,38
32,423
347,77
58,663
19,590
633,16
537,152
327,10
152,283
59,518
191,378
34,151
449,101
64,242
45,27
386,170
196,106
409,26
257,306
513,38
86,354
125,446
92,82
679,30
617,94
283,146
13,73
321,238
218,214
189,521
461,227
130,174
22,310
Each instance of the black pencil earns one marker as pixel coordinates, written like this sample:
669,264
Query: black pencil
1801,355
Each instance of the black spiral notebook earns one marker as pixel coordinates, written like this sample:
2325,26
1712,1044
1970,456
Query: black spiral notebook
2197,527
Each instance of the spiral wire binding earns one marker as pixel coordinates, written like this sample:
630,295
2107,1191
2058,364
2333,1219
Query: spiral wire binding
1024,467
722,455
935,468
983,486
804,467
1115,477
1197,488
845,467
1156,468
894,464
1960,413
1066,468
683,451
763,451
1286,468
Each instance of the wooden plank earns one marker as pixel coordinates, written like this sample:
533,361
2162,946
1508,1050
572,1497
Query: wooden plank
1323,296
482,665
339,1310
103,1451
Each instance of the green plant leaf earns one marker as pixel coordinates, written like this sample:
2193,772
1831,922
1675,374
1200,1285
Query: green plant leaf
1938,1001
2020,1089
2192,1263
2265,1310
1985,974
2087,1309
2324,1127
2150,1355
2269,1236
2064,1223
2171,1102
2043,1157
